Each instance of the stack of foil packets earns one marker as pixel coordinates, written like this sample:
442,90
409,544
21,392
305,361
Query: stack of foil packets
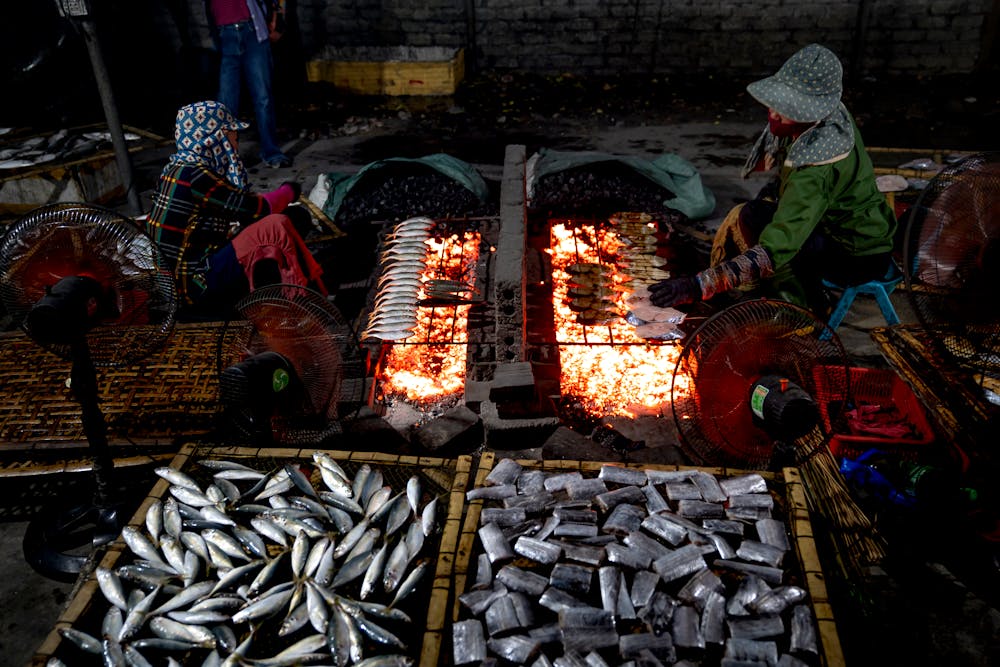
632,567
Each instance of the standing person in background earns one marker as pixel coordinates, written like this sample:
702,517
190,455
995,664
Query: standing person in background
243,31
219,239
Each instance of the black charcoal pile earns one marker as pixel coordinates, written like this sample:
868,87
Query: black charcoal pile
632,567
398,192
601,190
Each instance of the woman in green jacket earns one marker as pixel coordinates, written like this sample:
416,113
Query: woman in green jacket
830,220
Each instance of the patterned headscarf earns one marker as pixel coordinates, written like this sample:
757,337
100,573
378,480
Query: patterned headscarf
201,139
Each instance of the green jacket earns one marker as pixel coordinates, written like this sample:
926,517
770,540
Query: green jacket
839,198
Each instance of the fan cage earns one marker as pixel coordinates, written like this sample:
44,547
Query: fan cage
70,239
727,354
951,247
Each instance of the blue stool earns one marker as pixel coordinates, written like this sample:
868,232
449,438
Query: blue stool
880,289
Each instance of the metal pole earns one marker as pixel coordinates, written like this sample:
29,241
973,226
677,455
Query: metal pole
111,115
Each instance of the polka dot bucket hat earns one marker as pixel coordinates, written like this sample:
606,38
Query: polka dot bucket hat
806,89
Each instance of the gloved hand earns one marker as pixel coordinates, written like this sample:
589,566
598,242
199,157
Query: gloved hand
282,196
675,292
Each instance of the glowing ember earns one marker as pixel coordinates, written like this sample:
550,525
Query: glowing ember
630,377
430,365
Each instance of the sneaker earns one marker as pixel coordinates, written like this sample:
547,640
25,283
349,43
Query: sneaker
279,162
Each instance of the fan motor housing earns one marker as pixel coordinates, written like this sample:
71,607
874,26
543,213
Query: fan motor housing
782,408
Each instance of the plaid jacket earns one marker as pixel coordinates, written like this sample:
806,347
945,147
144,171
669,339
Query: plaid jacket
196,212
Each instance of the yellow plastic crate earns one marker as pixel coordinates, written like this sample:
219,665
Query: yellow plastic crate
402,71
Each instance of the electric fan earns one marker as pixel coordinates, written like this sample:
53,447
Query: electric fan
283,385
87,284
952,243
752,383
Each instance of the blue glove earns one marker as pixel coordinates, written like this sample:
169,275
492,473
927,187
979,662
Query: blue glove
675,292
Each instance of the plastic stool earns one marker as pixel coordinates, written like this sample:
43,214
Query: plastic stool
880,289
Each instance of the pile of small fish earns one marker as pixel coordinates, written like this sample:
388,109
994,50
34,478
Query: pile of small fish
688,569
591,293
394,314
266,569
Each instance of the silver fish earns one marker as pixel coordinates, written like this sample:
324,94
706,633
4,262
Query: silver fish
177,478
111,586
428,517
142,547
82,640
411,581
374,572
352,569
170,629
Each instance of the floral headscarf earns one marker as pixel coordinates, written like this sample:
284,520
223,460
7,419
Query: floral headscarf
200,133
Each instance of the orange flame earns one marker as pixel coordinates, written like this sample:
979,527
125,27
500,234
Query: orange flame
430,365
628,378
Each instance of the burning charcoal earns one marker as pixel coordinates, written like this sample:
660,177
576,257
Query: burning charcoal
667,476
539,551
494,543
803,631
682,491
583,553
620,475
754,500
713,618
502,517
758,552
787,660
547,529
711,490
531,482
594,659
504,473
586,629
749,650
575,530
756,628
686,560
743,484
724,526
643,587
699,509
533,504
777,600
624,519
772,531
570,659
667,530
518,649
659,612
751,588
630,646
654,501
575,515
559,482
556,600
479,601
484,572
686,628
610,581
468,642
624,608
771,575
698,588
572,578
517,579
639,540
626,494
630,557
501,618
585,488
491,492
546,634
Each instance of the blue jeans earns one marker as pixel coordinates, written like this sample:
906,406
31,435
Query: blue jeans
244,56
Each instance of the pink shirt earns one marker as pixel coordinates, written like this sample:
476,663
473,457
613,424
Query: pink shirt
227,12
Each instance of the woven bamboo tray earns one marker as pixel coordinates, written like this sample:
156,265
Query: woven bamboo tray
788,484
170,395
445,477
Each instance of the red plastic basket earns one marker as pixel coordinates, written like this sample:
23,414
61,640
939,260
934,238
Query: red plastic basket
872,386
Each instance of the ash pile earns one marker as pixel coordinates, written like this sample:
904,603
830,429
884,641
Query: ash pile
632,567
397,192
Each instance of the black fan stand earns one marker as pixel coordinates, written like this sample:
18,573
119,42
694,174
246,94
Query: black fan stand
58,542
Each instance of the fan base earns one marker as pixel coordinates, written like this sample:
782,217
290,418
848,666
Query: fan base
58,542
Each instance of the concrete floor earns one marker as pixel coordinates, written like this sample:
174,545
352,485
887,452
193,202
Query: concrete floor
30,603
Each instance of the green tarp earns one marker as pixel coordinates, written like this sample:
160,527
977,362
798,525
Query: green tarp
460,172
669,171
